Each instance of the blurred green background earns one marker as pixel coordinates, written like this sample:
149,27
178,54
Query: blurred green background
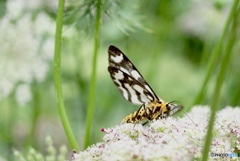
170,42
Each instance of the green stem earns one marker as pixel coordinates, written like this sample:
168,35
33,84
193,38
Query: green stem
57,77
213,59
9,114
218,85
91,96
36,111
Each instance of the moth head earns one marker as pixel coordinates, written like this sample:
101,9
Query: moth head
173,108
165,109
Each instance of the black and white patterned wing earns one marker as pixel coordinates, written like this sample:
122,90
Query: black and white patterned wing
127,78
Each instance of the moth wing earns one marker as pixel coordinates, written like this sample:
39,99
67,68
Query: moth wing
118,60
131,89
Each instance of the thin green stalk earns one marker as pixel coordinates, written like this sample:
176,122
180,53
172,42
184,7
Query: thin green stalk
91,96
213,59
57,77
218,85
35,111
9,114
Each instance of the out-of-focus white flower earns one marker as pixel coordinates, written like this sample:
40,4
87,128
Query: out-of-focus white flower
204,19
32,154
16,7
43,25
2,159
167,139
26,47
23,94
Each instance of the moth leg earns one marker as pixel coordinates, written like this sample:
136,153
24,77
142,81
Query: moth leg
143,124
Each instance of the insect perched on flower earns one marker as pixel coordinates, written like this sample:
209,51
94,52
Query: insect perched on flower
136,90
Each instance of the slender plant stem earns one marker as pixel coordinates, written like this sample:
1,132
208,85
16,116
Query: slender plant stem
213,59
9,115
57,77
35,111
218,85
91,96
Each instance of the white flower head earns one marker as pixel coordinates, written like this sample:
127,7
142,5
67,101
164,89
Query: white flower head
166,139
17,7
23,94
26,47
203,19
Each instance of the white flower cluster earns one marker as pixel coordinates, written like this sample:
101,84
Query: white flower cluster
204,19
168,139
26,48
51,153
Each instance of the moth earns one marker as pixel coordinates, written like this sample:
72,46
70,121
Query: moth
135,89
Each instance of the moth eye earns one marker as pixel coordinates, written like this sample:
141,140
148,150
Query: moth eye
168,107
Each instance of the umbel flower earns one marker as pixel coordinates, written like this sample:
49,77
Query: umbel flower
26,49
169,139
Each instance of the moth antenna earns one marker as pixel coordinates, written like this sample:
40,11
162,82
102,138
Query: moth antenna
189,118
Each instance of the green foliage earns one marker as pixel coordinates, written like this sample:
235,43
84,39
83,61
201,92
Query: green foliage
175,45
227,50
